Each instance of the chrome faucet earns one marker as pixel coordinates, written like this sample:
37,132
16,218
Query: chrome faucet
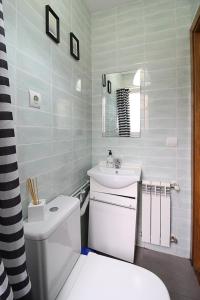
117,163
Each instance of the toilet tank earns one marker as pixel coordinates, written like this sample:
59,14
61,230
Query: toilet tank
53,247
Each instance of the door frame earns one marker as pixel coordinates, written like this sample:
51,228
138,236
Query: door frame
195,63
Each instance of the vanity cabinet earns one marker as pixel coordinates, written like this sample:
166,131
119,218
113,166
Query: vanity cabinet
112,220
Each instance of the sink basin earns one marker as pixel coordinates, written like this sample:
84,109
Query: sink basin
115,178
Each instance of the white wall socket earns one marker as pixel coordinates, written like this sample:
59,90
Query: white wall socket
172,141
34,99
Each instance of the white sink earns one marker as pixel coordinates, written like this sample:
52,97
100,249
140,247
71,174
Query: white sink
115,178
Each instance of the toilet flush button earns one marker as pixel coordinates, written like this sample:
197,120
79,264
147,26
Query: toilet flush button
35,99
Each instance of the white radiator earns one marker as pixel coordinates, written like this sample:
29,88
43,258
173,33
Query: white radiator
156,213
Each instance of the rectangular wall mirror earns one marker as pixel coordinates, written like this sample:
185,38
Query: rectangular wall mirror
121,104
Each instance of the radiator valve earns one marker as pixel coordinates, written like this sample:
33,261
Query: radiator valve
175,186
174,239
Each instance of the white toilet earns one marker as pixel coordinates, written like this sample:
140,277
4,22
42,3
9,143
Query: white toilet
58,271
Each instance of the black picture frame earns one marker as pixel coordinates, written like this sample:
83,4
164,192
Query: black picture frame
109,87
74,46
104,80
50,13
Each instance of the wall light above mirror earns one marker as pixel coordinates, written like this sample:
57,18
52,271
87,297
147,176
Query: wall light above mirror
121,106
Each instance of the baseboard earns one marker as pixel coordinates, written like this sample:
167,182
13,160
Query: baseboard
198,276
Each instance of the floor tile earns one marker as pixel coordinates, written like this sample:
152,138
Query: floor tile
177,273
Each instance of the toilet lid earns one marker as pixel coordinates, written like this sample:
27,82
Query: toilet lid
100,278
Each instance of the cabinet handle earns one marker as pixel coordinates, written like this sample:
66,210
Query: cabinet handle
113,204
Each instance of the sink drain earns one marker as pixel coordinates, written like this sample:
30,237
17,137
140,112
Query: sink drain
53,209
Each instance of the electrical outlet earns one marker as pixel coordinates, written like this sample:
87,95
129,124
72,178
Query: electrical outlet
172,141
35,99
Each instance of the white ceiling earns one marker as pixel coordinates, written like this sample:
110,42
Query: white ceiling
95,5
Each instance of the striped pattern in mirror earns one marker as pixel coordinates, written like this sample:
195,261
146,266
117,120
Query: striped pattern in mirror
123,109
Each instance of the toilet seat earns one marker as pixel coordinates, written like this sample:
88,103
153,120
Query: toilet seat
98,277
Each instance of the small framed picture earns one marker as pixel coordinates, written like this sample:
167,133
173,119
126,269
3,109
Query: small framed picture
109,87
104,80
74,46
52,25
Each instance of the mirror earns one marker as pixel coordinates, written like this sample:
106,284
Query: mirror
121,104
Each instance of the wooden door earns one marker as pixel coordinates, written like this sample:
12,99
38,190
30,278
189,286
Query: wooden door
195,51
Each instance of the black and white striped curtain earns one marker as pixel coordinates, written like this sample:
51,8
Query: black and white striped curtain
14,280
123,110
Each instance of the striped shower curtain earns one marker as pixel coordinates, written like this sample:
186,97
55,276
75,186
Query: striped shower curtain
14,280
123,111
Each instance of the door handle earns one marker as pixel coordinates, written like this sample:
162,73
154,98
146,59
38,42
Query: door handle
113,204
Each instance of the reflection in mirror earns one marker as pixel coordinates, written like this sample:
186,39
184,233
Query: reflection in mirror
121,107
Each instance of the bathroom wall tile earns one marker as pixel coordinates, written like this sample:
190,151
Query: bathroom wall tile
34,168
37,5
45,145
153,36
62,134
62,122
60,175
11,53
56,145
26,81
36,16
158,6
31,66
62,9
33,152
61,63
32,117
29,37
159,19
160,50
62,83
61,147
45,186
12,2
62,102
31,135
11,25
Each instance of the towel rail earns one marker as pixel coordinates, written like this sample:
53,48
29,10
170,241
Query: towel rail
80,190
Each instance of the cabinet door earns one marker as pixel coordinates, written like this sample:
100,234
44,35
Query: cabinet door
112,230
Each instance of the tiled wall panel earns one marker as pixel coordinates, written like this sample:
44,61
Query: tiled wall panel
53,143
153,36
